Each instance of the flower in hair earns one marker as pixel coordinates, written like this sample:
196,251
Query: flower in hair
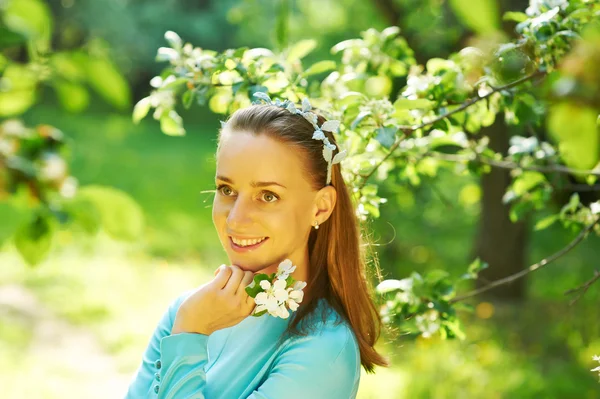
277,292
319,134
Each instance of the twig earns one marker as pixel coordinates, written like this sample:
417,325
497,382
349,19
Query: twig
513,165
583,287
531,268
407,130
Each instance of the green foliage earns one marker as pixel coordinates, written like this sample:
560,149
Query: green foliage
430,126
120,215
33,239
34,160
481,16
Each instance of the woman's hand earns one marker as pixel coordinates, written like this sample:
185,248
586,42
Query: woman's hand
220,303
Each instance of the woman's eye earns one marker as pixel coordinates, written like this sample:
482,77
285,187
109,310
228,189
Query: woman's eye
270,197
224,190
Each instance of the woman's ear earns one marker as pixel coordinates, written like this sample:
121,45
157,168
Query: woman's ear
324,203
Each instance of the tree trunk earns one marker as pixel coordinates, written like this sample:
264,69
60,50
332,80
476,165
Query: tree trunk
499,242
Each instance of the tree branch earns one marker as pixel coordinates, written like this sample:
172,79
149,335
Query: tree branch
531,268
513,165
407,130
583,287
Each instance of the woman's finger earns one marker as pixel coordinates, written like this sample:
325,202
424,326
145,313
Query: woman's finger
223,276
246,280
234,281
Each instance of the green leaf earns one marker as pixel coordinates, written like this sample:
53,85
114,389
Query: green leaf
122,217
259,313
20,96
320,67
31,18
515,16
12,217
386,136
435,276
445,145
105,78
482,15
84,214
172,124
574,127
34,239
571,206
545,222
301,49
73,97
419,103
359,119
351,98
9,38
254,287
474,268
282,24
188,99
519,210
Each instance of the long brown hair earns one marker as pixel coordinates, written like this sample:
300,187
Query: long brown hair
337,244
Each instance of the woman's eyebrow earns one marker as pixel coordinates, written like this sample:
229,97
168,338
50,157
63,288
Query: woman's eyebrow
253,183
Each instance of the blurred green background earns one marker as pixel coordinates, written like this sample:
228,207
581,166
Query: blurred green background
64,332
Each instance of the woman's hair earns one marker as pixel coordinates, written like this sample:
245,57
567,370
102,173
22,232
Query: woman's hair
337,266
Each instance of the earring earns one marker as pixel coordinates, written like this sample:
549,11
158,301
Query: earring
316,225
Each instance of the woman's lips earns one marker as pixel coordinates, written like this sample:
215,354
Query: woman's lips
238,248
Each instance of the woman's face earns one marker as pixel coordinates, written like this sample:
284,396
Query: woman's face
262,194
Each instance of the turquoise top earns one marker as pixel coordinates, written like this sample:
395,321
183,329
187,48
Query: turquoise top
246,361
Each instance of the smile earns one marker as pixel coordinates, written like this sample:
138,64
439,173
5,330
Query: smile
243,245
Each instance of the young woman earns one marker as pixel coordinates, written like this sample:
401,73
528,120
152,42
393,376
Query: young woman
277,198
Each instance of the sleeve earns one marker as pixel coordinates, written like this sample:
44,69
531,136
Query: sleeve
317,367
163,356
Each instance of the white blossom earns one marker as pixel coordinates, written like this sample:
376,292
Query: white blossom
536,7
285,268
276,297
597,369
53,167
68,188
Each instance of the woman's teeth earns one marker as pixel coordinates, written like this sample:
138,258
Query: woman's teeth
245,243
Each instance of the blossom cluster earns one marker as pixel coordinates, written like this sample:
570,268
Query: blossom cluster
277,293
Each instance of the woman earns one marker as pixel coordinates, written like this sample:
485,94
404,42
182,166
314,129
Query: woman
277,198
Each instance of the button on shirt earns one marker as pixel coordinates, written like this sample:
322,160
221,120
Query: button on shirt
247,361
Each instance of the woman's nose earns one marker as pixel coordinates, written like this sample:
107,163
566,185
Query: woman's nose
240,214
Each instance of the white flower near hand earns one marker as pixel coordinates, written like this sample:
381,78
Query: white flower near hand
277,296
295,295
285,268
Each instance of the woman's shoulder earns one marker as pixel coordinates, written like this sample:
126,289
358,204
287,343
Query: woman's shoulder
329,336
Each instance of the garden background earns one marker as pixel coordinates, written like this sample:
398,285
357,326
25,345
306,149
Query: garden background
64,329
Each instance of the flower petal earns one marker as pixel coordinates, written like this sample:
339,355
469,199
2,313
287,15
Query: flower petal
281,295
299,285
297,296
293,305
261,298
265,284
283,312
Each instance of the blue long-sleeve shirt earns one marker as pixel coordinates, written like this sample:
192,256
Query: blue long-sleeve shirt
246,361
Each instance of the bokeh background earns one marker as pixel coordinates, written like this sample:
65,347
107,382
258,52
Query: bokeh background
75,325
